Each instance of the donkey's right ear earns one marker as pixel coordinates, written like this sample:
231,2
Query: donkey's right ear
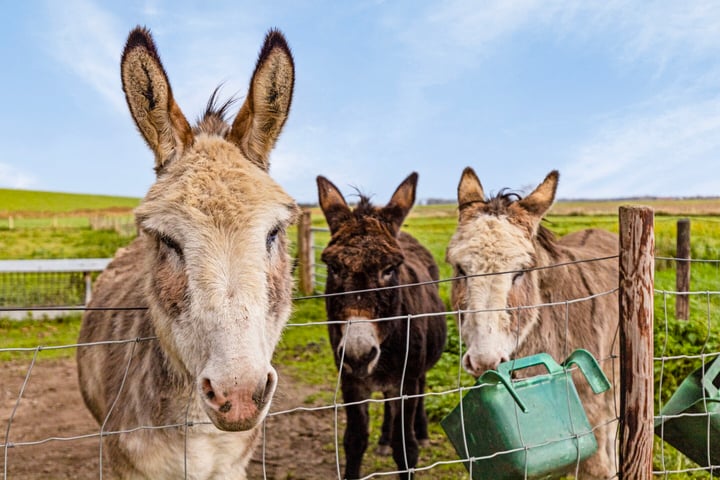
149,96
332,203
470,189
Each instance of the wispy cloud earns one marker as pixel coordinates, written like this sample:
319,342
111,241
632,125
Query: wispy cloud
665,153
460,33
85,39
12,177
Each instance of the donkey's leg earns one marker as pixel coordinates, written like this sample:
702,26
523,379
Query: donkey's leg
403,441
421,425
384,442
355,440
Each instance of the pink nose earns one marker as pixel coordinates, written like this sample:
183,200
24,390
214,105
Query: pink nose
238,407
476,367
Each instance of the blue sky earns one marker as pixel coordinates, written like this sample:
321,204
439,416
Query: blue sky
622,97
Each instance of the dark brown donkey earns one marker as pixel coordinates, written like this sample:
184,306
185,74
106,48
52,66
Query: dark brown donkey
368,254
211,274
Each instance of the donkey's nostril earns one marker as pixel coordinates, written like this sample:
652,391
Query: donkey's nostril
207,389
372,354
264,390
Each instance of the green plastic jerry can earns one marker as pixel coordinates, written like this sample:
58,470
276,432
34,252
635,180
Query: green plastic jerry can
533,428
690,421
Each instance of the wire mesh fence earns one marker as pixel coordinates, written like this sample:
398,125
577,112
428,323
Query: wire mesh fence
307,423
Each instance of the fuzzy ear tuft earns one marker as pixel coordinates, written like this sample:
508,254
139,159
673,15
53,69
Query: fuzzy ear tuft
542,198
261,118
150,99
401,202
469,189
332,204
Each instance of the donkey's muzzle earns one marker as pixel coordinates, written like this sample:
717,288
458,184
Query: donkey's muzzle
237,407
360,365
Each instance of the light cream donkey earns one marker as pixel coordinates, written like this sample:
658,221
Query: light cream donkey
208,281
504,234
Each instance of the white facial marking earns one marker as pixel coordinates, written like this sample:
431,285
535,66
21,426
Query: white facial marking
487,245
359,338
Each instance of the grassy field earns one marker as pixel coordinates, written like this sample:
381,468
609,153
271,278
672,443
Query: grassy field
43,204
304,350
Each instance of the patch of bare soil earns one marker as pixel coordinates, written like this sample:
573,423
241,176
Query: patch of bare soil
298,445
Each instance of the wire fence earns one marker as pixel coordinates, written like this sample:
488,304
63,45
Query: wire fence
455,389
309,426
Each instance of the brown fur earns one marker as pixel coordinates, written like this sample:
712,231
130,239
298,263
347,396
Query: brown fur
205,288
557,330
367,251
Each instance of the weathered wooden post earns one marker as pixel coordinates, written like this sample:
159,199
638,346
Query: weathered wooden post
637,266
87,277
306,258
682,272
11,223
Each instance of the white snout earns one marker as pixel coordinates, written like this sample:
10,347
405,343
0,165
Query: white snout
359,347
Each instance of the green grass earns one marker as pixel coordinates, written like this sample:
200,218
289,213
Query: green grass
33,333
59,243
28,202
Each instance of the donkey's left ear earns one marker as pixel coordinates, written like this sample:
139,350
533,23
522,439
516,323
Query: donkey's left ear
332,204
401,202
261,118
542,198
150,99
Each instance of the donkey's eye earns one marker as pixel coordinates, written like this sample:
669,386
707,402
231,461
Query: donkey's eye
171,244
460,271
388,273
517,276
272,237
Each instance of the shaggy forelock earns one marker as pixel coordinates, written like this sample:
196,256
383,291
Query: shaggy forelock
213,121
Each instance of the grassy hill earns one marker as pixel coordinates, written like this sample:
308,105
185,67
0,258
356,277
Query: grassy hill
36,203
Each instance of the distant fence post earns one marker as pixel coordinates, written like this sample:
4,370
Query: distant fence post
87,276
682,275
11,222
637,264
305,253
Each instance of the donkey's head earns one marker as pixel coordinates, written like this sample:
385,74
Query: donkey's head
363,254
219,279
495,240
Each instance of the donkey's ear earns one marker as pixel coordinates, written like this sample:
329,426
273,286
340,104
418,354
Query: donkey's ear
262,116
469,189
332,203
401,202
150,99
542,198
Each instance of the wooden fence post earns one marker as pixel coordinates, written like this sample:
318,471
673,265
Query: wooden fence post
637,265
682,272
87,277
11,223
306,254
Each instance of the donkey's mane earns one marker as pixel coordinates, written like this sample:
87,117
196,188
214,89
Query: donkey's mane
364,206
213,120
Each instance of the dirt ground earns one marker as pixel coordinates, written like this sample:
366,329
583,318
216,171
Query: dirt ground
298,445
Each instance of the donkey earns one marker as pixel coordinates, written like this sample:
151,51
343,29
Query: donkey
504,234
207,280
367,258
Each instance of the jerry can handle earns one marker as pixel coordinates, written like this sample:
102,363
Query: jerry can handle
590,368
707,380
506,368
502,374
494,377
